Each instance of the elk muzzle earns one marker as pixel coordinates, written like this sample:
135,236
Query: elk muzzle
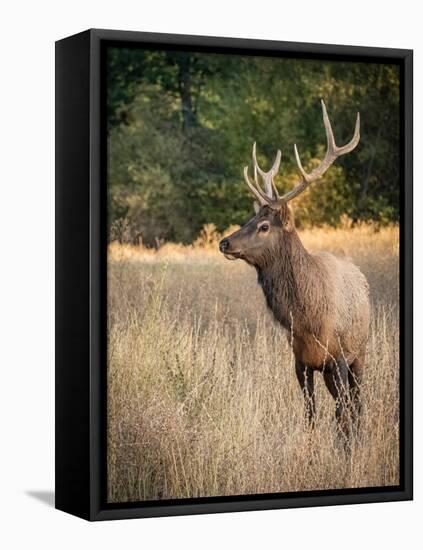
227,249
223,245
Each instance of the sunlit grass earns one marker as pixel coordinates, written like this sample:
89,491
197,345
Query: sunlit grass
202,394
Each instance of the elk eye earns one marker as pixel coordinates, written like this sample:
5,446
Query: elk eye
264,227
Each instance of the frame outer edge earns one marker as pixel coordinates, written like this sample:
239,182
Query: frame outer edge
72,392
96,187
407,287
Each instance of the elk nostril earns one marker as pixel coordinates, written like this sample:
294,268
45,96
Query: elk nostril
223,245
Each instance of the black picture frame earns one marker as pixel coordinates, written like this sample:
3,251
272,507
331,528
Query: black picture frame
81,201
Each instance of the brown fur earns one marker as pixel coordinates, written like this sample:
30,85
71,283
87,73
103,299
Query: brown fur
322,301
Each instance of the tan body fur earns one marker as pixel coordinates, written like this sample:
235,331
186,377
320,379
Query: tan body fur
343,329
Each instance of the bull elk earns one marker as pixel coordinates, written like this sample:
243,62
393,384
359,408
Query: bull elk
323,301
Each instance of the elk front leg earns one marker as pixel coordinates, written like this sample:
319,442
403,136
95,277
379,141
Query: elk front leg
335,375
305,376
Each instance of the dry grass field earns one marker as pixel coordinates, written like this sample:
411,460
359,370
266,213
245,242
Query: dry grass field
202,394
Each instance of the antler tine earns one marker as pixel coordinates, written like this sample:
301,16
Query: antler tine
267,177
329,132
355,139
256,191
332,153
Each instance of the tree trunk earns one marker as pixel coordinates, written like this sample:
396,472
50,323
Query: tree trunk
189,118
365,186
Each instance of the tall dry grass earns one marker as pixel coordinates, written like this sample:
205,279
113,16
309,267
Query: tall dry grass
202,394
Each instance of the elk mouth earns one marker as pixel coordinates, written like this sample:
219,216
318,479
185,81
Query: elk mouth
232,255
225,249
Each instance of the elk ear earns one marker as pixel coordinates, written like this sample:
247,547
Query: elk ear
256,207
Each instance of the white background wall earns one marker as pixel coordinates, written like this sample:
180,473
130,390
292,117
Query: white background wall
28,32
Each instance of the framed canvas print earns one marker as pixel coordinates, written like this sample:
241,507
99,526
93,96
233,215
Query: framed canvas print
233,274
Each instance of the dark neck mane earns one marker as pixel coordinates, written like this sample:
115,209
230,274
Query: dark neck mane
291,279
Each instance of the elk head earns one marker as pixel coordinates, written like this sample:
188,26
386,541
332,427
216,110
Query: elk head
273,222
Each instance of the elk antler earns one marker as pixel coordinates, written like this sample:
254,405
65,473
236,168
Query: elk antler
332,153
267,177
270,193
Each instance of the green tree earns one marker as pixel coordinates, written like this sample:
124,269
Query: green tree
182,125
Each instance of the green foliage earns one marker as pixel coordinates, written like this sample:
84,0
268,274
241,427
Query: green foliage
181,128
